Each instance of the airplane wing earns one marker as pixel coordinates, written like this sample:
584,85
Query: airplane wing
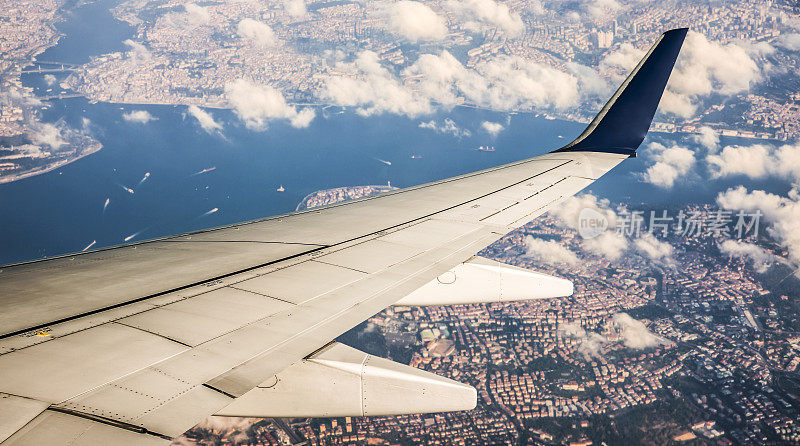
138,343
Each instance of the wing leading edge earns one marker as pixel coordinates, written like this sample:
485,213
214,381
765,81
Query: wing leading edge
139,364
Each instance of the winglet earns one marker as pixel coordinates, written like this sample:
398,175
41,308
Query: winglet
622,124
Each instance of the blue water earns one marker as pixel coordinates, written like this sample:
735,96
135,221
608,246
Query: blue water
62,211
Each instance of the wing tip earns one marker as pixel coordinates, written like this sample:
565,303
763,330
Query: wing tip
623,122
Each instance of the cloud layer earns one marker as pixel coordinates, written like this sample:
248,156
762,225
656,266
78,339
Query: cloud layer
256,105
258,33
549,251
781,213
205,119
440,80
670,164
138,116
415,21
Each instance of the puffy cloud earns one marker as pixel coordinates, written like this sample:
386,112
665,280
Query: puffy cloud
781,213
609,244
600,8
49,79
137,52
591,343
677,104
295,8
138,116
503,83
373,89
415,21
760,258
487,12
258,33
572,211
635,334
205,119
46,134
623,60
535,7
506,82
19,98
670,164
549,251
751,161
196,14
789,41
448,127
707,138
589,80
492,128
756,161
706,67
257,104
654,249
578,211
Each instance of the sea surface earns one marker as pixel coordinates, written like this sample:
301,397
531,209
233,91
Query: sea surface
63,211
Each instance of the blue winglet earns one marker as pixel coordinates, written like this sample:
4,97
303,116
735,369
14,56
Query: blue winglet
622,124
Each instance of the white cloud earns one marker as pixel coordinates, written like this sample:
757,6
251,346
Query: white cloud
789,41
49,79
138,116
476,13
46,134
19,98
415,21
196,14
706,67
433,81
707,138
591,343
570,210
549,251
492,128
535,7
609,244
605,241
138,52
752,161
635,334
258,104
781,213
760,258
448,126
295,8
258,33
205,119
670,164
654,249
373,89
677,104
756,161
622,61
600,8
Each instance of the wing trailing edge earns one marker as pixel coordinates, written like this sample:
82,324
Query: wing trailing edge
340,381
623,122
481,280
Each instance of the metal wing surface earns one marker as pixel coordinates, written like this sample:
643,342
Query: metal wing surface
136,344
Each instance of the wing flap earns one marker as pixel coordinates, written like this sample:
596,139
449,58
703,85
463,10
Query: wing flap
16,412
52,428
356,384
483,280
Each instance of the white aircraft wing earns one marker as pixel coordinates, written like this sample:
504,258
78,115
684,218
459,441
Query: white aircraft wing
138,343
